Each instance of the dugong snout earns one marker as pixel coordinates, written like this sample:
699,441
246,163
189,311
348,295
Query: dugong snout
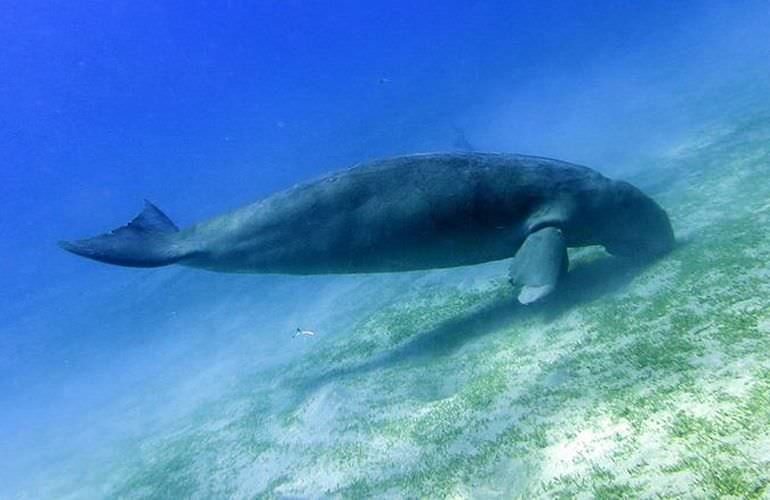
639,227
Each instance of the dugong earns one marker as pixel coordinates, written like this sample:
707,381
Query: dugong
420,211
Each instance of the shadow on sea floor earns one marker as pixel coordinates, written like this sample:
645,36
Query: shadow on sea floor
586,282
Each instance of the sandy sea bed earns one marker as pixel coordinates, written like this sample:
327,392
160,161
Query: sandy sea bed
632,382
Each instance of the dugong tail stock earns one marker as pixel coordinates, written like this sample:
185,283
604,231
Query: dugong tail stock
149,240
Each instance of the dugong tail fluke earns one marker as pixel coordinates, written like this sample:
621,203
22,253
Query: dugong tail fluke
147,241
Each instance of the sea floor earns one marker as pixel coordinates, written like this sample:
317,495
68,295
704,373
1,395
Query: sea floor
633,382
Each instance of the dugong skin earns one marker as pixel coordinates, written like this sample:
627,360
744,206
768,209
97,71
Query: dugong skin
425,211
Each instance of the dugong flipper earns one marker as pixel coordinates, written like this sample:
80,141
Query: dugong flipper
539,264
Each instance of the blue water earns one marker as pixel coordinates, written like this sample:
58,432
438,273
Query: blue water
202,107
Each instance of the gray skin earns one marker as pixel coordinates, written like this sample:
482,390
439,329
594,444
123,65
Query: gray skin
406,213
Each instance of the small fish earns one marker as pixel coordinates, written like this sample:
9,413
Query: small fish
304,333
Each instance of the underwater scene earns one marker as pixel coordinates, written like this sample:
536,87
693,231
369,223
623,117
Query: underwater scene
465,313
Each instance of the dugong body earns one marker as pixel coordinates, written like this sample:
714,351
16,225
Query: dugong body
407,213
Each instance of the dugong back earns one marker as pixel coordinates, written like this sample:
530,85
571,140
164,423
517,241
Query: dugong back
405,213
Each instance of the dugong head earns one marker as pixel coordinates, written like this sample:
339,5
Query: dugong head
635,225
